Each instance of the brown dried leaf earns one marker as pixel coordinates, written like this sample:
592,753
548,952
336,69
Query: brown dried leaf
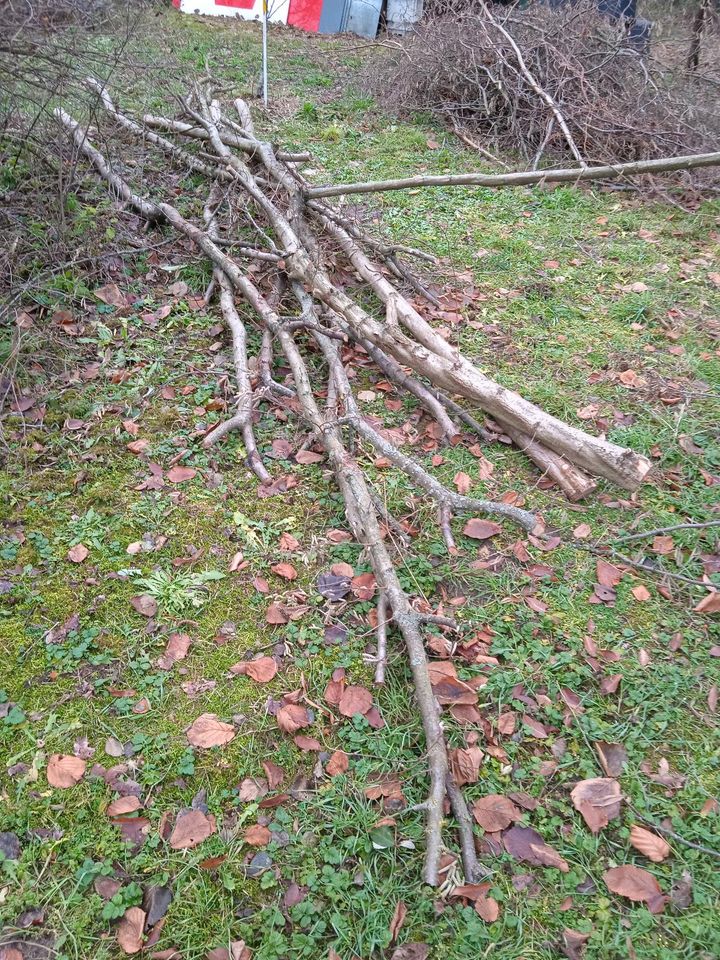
261,670
463,482
65,771
145,604
598,800
486,907
411,951
526,844
447,686
276,614
207,731
338,763
252,788
285,570
177,649
257,835
292,717
130,930
613,757
307,743
123,805
112,295
710,603
636,884
649,844
574,942
354,700
398,919
495,812
481,529
78,553
363,586
180,474
608,575
274,773
465,764
191,828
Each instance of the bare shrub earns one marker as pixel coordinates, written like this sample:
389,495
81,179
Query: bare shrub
550,82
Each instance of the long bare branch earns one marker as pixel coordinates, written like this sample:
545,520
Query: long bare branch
523,178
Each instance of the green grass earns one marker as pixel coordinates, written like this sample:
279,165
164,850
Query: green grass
552,310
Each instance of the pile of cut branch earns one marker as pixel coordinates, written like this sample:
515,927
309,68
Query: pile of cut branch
280,253
549,82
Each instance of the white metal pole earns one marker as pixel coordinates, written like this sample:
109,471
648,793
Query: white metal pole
265,53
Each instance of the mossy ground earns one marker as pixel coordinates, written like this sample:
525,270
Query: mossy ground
570,289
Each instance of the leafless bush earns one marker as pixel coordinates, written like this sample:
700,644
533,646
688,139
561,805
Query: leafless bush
551,83
47,48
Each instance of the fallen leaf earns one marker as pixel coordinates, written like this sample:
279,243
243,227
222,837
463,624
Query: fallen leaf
144,604
138,446
257,835
276,614
294,895
411,951
332,587
641,593
398,919
681,892
339,536
710,603
526,845
355,700
486,907
156,900
636,884
465,764
112,295
306,743
191,828
180,474
285,570
177,648
363,586
463,482
608,575
78,553
65,771
663,545
274,773
598,801
613,757
535,728
495,812
261,670
573,945
649,844
338,763
583,531
447,687
292,717
610,684
288,542
130,930
123,805
308,456
252,788
481,529
207,731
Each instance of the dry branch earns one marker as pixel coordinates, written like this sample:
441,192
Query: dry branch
523,178
309,316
